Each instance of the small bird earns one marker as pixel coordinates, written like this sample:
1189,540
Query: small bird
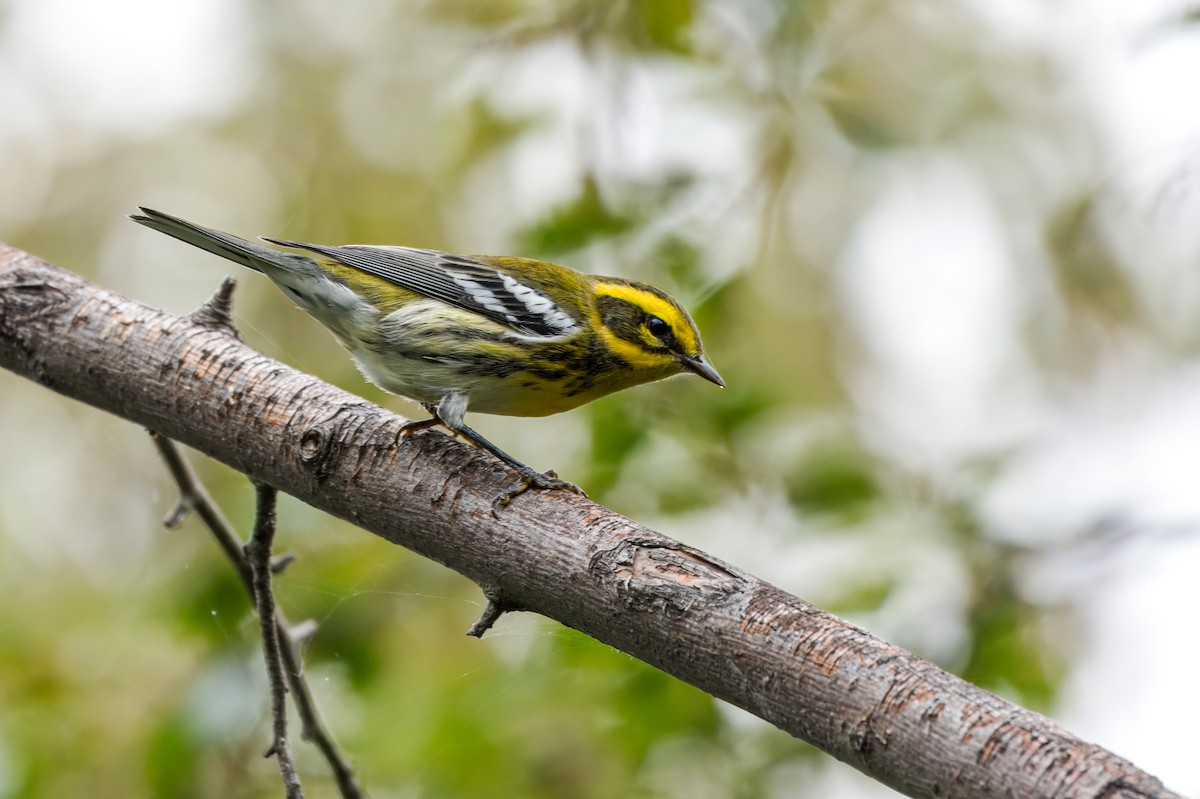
483,333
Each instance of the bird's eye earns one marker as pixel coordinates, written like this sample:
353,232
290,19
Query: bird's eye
657,327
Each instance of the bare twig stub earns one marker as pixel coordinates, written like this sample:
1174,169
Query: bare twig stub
496,608
902,720
217,311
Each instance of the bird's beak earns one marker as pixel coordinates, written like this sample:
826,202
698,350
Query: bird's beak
703,368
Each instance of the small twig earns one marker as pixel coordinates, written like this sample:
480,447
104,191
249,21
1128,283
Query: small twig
258,553
194,497
491,614
312,729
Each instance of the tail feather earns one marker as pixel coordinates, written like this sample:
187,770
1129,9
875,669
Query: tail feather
240,251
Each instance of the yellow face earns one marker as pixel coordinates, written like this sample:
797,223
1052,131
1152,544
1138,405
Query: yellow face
648,330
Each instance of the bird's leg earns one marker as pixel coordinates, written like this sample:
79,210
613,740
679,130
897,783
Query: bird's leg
530,478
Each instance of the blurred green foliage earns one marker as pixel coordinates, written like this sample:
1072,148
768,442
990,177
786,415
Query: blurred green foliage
724,150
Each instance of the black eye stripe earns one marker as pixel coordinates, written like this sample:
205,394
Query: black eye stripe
637,325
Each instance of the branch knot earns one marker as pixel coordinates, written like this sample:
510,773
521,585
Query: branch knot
217,310
317,446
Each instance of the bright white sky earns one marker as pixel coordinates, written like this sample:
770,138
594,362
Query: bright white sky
146,63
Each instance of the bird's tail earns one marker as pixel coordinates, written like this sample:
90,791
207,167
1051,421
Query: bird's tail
246,253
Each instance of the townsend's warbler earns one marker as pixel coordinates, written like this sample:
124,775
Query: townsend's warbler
492,334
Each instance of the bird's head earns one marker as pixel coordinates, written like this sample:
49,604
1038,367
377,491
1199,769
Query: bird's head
649,330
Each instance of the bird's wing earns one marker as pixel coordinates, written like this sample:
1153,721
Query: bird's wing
458,280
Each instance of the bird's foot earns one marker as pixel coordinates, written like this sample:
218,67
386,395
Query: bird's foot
531,479
408,428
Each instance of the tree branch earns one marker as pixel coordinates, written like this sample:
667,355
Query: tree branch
193,496
258,554
895,717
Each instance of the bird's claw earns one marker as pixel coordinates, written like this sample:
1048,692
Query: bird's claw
549,481
408,428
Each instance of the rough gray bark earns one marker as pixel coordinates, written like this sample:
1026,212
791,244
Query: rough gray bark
884,711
